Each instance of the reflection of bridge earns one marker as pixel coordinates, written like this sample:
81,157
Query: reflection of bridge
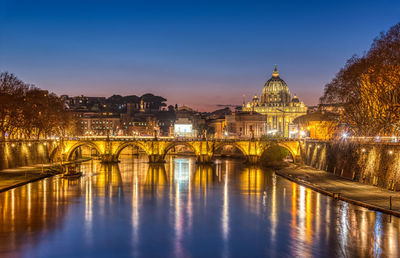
110,148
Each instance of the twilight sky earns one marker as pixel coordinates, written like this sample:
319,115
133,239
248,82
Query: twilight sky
197,53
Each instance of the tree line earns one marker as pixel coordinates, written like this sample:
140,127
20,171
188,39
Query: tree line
367,88
28,112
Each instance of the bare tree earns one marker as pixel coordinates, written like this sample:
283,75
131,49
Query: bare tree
27,111
368,88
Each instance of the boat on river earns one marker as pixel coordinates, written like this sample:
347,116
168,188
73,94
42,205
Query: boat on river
72,172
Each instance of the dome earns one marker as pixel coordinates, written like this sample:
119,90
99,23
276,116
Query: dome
275,91
255,98
275,84
295,99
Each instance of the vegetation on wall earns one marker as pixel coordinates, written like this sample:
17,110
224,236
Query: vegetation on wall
274,156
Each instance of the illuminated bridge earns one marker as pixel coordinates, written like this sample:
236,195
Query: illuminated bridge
110,148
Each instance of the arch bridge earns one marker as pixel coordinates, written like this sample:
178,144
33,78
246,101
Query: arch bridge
109,148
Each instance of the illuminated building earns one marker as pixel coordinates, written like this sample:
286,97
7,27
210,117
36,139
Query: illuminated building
322,123
99,124
183,128
276,105
246,125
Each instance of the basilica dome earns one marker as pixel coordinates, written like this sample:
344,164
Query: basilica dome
276,91
275,84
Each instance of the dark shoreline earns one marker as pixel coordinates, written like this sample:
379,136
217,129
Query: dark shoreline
40,176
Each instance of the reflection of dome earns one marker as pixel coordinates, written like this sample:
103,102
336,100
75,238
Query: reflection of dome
275,84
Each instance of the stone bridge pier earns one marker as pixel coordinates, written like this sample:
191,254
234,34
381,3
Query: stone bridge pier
204,158
108,158
156,158
252,159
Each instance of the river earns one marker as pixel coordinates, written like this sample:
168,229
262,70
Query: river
181,209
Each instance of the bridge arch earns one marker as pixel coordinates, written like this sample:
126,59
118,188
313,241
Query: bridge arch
80,144
125,145
292,152
178,143
223,144
293,147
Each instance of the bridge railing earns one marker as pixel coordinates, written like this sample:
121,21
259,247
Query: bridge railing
169,138
29,140
392,140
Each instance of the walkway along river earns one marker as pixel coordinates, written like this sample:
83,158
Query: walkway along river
180,209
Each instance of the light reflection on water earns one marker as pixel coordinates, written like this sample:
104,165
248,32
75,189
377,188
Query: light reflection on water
181,209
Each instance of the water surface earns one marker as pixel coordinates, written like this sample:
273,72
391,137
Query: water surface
181,209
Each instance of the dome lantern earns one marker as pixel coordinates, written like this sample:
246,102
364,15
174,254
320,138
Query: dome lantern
275,73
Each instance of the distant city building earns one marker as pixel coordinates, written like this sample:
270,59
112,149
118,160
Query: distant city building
121,115
219,126
246,125
97,124
184,116
277,106
183,127
322,122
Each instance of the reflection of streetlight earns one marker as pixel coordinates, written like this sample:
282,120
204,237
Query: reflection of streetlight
345,135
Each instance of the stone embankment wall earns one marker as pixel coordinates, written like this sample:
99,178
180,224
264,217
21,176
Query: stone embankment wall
370,163
24,153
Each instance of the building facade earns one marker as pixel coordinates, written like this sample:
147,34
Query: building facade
95,124
242,124
277,105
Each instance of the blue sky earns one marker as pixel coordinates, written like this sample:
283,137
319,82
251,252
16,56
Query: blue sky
198,53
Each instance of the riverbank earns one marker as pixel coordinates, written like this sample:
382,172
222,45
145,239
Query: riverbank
367,196
10,181
15,177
